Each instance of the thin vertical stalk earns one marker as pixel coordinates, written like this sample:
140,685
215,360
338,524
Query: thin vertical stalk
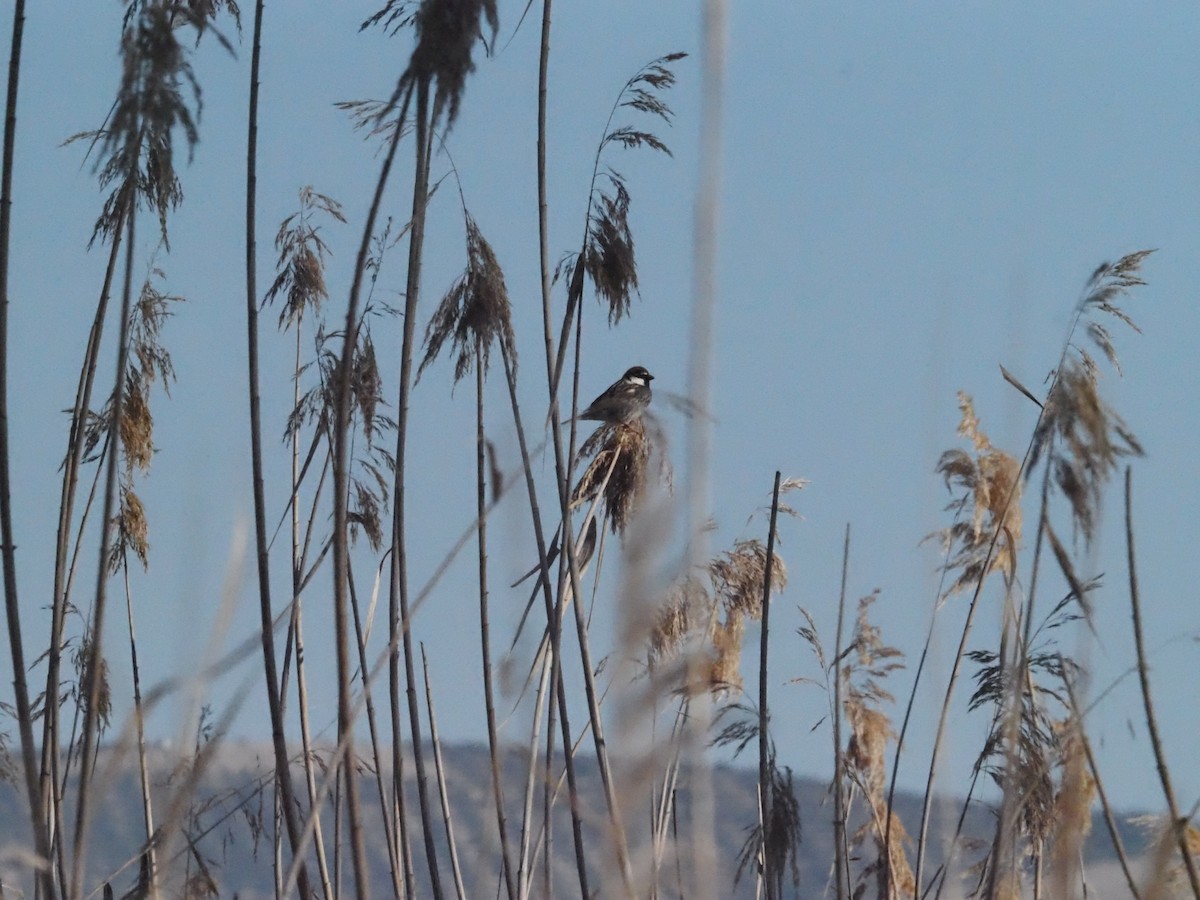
531,781
283,772
841,865
1109,821
556,690
151,854
399,601
7,547
1013,663
764,716
64,560
484,627
908,708
570,568
391,825
1178,825
944,716
341,550
443,794
307,748
553,619
593,702
510,376
96,632
296,628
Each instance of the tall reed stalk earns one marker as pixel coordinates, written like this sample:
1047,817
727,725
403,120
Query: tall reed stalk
283,772
12,607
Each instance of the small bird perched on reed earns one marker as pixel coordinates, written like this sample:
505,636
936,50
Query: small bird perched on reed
624,400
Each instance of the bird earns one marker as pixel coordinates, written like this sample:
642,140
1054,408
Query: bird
624,400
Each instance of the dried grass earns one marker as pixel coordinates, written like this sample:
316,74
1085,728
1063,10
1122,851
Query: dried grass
300,276
446,33
475,313
619,459
1165,878
737,576
1082,437
83,659
868,662
988,509
157,96
1071,820
675,619
608,252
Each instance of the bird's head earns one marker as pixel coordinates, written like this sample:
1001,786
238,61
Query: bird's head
638,375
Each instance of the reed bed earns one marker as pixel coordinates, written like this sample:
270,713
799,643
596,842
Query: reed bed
599,775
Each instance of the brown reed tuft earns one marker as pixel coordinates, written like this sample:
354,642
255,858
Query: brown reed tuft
446,32
208,10
712,611
300,278
474,313
608,252
737,576
131,531
1023,746
1071,820
8,771
137,425
1082,437
1086,440
200,884
725,642
610,259
866,663
625,449
136,142
673,622
1165,878
82,659
988,508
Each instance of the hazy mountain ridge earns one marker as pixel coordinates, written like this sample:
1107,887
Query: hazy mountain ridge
231,819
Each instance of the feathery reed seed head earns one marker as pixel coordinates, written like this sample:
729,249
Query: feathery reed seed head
625,449
991,485
474,313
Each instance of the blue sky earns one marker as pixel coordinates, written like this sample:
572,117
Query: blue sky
911,196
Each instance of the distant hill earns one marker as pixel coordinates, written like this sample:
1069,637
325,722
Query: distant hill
231,818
